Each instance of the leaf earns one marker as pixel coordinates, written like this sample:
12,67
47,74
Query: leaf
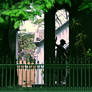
1,20
42,7
90,6
48,5
13,6
17,24
12,13
68,2
83,6
52,1
5,12
60,1
5,5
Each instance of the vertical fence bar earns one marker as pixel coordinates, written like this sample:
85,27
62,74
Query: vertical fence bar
50,68
77,73
30,73
72,68
38,72
2,76
25,67
34,73
70,72
14,72
10,72
41,73
58,74
73,72
53,80
6,72
81,71
53,77
61,75
49,76
67,72
22,67
2,59
54,73
89,72
51,73
18,67
85,73
45,75
73,77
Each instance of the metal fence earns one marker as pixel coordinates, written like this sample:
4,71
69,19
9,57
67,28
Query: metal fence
75,73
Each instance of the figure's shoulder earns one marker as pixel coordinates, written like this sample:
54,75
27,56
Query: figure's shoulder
62,47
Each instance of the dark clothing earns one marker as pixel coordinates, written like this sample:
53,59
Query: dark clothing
61,59
61,54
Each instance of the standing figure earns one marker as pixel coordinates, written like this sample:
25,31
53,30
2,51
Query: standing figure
61,59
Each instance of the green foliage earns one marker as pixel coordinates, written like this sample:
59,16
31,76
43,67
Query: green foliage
80,39
47,4
17,24
68,2
60,1
17,15
86,4
1,20
25,41
64,2
83,6
5,5
75,24
89,52
16,12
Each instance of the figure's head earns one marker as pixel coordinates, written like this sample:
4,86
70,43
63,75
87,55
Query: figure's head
62,42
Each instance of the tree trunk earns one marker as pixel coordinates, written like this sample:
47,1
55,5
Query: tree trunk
7,56
49,43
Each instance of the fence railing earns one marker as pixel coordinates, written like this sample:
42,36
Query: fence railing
76,73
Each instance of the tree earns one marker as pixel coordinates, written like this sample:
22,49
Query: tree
25,42
80,23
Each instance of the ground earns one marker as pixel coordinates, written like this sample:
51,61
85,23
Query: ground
46,90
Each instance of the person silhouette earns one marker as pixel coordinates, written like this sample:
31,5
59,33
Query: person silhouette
61,52
61,59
